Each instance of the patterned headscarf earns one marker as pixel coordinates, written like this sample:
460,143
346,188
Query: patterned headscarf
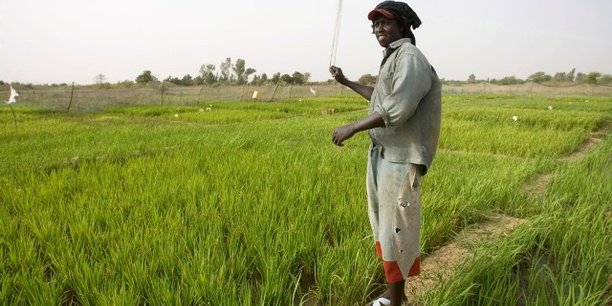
399,11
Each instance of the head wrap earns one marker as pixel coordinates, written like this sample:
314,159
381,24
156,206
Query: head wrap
399,11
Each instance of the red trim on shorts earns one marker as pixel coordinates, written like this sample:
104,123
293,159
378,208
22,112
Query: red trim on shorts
415,269
393,274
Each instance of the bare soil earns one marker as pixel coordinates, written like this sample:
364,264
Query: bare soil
587,146
537,188
589,143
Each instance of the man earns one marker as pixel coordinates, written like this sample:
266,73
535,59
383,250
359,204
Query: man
404,126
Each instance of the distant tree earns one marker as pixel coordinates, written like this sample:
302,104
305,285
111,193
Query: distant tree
298,78
570,76
207,72
307,77
591,78
124,84
187,80
2,83
173,80
99,79
239,69
559,77
509,80
226,73
539,77
256,80
471,78
287,79
580,77
242,72
605,79
330,82
146,77
276,78
198,80
259,80
247,73
367,79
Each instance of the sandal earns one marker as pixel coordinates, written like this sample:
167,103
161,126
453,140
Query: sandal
381,301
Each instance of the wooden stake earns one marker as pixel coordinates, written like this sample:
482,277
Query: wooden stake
273,93
14,117
71,95
162,93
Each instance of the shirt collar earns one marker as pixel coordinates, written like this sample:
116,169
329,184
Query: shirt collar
396,44
399,42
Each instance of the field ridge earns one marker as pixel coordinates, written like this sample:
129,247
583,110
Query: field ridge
442,263
537,187
589,143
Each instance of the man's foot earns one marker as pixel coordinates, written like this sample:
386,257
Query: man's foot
381,301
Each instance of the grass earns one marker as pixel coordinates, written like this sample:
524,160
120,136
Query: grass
251,204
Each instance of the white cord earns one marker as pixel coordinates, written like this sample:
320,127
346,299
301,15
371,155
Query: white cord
334,48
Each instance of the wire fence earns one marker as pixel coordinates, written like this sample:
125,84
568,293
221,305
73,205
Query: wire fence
532,88
94,98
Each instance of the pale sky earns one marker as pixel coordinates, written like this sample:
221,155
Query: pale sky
62,41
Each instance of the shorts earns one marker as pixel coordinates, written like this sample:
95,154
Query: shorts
394,211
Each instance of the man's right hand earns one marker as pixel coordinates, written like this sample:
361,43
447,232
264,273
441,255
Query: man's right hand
336,73
343,133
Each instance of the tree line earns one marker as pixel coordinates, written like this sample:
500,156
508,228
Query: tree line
237,73
541,77
229,73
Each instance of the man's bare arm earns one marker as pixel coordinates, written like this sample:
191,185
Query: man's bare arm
345,132
363,90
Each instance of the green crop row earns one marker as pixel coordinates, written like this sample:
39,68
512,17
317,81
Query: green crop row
250,203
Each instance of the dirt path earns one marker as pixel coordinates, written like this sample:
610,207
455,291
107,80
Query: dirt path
590,142
537,187
442,263
587,146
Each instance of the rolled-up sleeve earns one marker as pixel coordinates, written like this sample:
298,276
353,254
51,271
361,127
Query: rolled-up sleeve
410,83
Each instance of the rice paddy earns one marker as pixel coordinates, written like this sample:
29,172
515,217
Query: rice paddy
249,203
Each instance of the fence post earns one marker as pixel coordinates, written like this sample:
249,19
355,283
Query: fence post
71,94
162,93
245,88
273,93
200,94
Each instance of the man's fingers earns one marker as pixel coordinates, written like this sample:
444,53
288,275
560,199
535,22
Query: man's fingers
337,140
335,71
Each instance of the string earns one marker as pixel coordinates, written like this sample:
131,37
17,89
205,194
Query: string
334,48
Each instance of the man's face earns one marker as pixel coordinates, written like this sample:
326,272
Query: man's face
386,30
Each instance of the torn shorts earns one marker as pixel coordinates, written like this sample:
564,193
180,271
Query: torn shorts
394,211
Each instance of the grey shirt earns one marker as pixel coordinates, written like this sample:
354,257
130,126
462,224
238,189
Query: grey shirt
408,95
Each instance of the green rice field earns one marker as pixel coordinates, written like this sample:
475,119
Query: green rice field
250,203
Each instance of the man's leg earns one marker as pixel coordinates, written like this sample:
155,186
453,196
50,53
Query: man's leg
396,293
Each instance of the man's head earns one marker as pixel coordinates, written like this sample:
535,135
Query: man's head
390,14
